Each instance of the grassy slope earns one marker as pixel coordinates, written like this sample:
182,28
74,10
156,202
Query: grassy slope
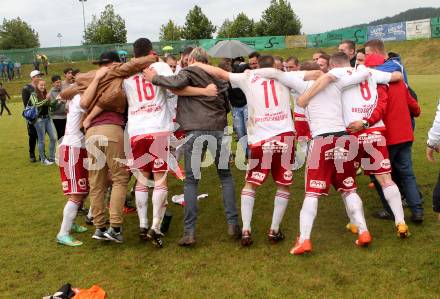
32,265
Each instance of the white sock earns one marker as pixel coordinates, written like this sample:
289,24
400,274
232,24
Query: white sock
355,208
141,195
159,198
247,206
350,216
89,213
280,205
300,154
307,216
392,195
69,214
162,211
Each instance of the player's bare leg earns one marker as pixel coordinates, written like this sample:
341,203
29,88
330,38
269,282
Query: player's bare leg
247,207
280,205
394,199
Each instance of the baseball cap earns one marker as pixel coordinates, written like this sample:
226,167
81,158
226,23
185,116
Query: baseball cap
35,73
106,57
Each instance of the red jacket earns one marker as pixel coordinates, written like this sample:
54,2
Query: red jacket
395,106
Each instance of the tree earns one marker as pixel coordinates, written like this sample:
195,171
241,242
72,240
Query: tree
225,29
170,32
279,19
197,25
242,26
108,29
17,34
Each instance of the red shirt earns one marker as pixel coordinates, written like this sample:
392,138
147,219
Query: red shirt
108,118
395,107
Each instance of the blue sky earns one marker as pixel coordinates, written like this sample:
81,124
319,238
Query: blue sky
144,17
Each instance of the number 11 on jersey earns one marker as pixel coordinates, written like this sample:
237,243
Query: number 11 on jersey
266,93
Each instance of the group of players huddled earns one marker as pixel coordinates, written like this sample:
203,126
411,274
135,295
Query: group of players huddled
335,117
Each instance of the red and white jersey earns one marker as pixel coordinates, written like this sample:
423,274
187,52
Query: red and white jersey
324,111
268,106
73,136
148,110
359,101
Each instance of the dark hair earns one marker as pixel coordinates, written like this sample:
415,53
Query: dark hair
75,71
266,61
326,57
322,52
350,44
187,51
294,59
170,57
376,44
225,64
339,58
254,55
55,78
361,50
309,65
68,69
40,95
393,55
142,47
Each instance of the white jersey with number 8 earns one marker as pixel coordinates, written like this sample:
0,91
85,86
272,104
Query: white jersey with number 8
148,111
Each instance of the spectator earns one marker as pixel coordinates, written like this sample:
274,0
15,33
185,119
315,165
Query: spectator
45,62
57,108
17,68
4,67
10,70
68,78
324,63
433,145
360,57
183,62
349,48
292,64
279,63
3,95
203,119
172,62
36,63
317,54
43,124
253,60
28,89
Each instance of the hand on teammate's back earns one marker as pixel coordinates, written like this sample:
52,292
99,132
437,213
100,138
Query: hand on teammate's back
149,74
211,90
101,72
355,126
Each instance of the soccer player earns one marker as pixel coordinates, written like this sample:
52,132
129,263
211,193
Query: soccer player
74,176
271,142
358,103
330,155
349,48
324,62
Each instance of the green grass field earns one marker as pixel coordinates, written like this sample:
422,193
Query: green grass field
33,265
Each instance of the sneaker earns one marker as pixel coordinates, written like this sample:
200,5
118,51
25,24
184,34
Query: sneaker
275,237
246,239
382,214
402,230
129,210
32,159
417,218
46,162
78,228
114,236
234,231
301,248
143,233
68,241
88,220
155,238
352,228
364,239
99,235
188,239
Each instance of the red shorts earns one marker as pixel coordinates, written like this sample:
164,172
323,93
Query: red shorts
373,153
302,127
74,176
150,153
329,163
275,155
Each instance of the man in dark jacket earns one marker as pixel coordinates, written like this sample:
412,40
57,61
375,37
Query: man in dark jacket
28,89
204,120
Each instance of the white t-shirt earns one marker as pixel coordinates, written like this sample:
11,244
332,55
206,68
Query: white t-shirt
268,103
148,110
324,111
73,135
359,101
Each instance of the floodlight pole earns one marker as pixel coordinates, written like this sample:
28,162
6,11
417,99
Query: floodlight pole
61,48
84,17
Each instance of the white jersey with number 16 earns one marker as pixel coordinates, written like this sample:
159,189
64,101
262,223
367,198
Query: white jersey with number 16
148,111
